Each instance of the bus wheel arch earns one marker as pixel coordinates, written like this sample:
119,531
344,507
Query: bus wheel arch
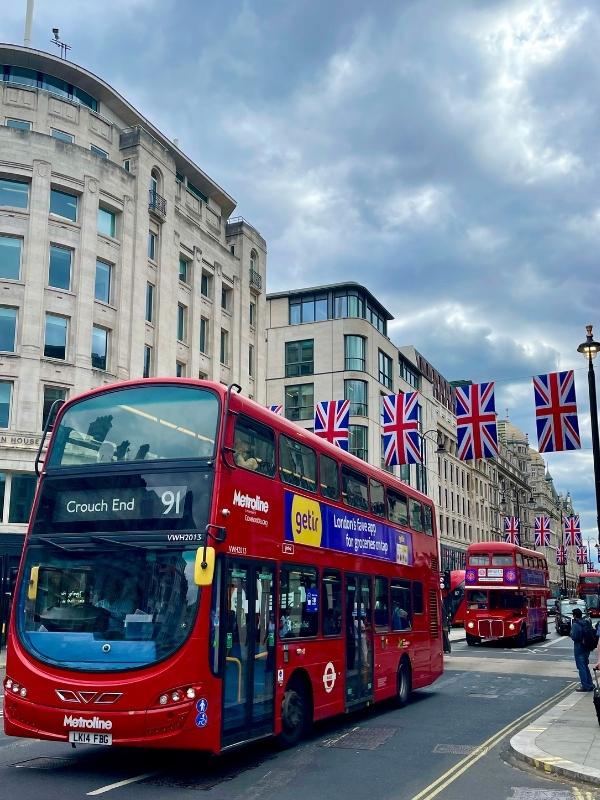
522,638
403,682
296,709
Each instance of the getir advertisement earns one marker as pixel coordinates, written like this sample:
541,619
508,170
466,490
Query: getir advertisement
318,524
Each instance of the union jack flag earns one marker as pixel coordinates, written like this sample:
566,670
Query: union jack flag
542,531
400,424
332,418
556,412
561,555
572,531
511,530
277,408
582,554
476,421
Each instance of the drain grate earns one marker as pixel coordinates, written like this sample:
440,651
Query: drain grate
524,793
44,763
455,749
362,738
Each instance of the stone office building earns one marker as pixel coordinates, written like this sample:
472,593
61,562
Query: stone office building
118,259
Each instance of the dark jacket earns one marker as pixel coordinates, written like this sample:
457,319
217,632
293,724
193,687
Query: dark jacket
577,627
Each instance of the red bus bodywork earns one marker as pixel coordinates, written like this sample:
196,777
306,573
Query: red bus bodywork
588,589
189,698
506,587
454,601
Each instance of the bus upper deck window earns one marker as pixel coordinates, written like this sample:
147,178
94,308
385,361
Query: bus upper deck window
297,464
254,446
329,477
502,559
397,507
479,560
377,498
354,489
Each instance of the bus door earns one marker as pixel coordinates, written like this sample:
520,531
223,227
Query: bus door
8,576
249,666
359,640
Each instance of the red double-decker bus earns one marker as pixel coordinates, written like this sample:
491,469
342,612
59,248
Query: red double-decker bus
199,572
506,589
454,599
588,589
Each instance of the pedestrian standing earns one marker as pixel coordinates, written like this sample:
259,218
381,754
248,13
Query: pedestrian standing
581,651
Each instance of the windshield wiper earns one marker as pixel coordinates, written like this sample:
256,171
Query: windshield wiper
106,539
53,543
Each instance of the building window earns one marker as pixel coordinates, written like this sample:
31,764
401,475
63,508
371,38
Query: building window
10,257
149,302
308,308
184,270
59,272
51,395
5,397
300,401
299,358
22,490
63,204
107,222
98,151
408,374
180,369
385,370
357,393
355,353
152,242
103,281
55,340
147,361
224,355
358,441
252,315
206,284
99,348
251,360
127,165
203,335
8,329
226,297
14,194
181,323
348,304
18,124
62,136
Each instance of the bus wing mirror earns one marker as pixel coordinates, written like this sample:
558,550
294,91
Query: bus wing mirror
32,586
204,568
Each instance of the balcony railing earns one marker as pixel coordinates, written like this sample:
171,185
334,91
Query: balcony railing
255,279
157,204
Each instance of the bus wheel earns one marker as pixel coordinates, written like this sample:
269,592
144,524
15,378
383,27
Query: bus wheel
522,637
295,714
404,684
472,640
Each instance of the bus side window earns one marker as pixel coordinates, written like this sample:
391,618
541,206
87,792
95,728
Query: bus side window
427,520
329,477
354,489
417,597
297,464
331,601
382,612
298,602
254,446
397,507
401,605
416,522
377,498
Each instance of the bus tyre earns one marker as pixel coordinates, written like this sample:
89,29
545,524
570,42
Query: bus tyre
472,640
404,684
522,637
295,714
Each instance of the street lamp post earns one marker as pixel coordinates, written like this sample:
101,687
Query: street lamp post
563,508
590,349
440,449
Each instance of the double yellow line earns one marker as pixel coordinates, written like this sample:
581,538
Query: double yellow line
483,749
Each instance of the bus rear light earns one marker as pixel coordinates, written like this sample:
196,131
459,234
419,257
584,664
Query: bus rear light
15,687
176,696
8,683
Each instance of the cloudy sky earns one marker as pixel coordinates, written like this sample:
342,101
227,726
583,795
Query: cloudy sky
444,154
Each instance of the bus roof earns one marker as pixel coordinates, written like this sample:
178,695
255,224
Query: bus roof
242,404
502,547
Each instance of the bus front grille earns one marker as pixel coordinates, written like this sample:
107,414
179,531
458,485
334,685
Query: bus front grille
491,628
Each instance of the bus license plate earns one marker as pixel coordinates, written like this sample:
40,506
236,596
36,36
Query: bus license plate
83,737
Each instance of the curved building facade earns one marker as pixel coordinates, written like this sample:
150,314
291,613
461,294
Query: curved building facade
118,259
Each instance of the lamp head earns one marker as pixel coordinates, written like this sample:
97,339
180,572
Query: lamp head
589,349
55,32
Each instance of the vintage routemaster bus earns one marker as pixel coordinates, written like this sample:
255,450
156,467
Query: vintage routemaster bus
199,572
506,589
454,600
588,589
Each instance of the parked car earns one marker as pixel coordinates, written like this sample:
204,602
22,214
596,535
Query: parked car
564,615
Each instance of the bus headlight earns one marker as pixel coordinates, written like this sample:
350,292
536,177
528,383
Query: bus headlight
470,625
511,627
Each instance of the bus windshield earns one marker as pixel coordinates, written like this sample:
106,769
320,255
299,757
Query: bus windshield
140,423
113,609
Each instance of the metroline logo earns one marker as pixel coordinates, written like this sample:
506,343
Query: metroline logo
255,503
95,723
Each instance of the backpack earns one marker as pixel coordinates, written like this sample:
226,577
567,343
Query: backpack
589,637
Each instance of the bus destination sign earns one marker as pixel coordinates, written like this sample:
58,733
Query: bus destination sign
156,502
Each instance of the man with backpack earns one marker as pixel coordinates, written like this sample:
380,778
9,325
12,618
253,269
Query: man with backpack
585,640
